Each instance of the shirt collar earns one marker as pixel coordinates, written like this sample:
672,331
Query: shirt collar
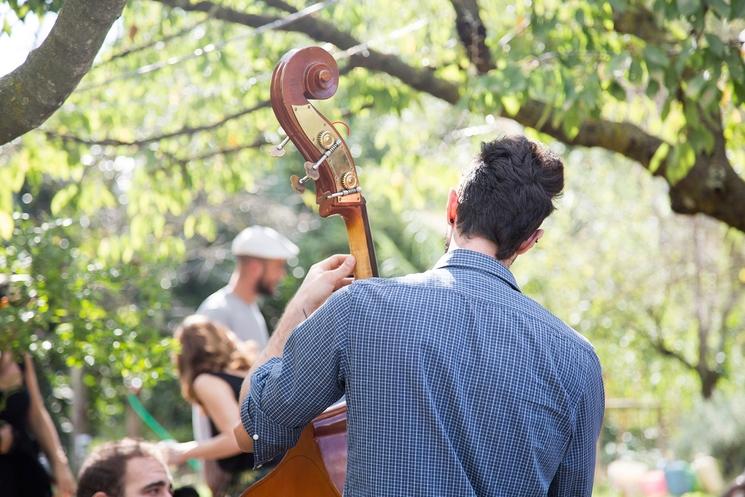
470,259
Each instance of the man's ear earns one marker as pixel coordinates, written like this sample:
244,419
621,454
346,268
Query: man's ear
451,210
530,242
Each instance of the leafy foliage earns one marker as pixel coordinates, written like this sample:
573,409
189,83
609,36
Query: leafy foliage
678,64
71,309
119,211
22,8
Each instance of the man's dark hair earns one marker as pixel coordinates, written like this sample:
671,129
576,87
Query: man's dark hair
509,192
105,467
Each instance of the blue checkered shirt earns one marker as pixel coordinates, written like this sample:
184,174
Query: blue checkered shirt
456,385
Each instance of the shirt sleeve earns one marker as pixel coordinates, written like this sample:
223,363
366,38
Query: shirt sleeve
575,475
289,391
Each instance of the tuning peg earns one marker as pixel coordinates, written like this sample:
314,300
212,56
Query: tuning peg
311,171
279,150
296,184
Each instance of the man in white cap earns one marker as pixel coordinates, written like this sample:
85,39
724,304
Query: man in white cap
261,255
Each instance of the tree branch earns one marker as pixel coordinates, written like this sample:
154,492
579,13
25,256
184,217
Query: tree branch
703,316
222,151
658,339
472,34
186,130
639,21
150,44
735,294
712,186
716,191
423,80
36,89
664,350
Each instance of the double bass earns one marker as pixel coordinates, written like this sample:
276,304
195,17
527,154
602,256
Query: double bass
317,465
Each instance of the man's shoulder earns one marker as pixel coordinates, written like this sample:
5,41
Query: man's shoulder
562,329
393,289
416,281
216,301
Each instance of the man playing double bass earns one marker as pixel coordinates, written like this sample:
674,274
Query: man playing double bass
456,383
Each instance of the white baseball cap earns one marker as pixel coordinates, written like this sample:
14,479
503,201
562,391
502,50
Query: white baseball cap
263,242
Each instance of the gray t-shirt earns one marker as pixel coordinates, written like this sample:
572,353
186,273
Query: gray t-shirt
243,319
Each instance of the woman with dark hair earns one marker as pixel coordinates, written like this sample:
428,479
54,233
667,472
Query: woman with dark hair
212,364
25,427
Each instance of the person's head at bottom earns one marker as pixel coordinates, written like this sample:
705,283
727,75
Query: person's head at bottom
127,468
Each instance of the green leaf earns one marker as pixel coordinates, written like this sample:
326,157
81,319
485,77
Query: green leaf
617,91
6,225
617,63
688,7
719,7
206,227
511,104
73,156
698,22
716,45
660,7
570,122
488,100
682,158
515,79
189,225
736,9
656,57
701,139
739,88
23,10
579,16
736,66
659,155
694,86
63,197
671,78
635,71
653,88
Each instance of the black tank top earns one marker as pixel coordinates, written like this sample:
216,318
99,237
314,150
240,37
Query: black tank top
15,403
239,462
21,474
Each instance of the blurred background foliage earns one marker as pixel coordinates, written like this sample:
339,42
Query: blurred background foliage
117,214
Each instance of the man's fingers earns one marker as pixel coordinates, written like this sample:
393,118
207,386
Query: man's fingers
343,282
332,262
345,267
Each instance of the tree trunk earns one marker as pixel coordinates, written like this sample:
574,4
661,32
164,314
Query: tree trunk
132,422
709,381
36,89
80,422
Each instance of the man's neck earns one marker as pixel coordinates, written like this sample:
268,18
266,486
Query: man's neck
239,288
478,244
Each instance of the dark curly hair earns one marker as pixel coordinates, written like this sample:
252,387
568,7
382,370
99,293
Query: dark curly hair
104,469
508,192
